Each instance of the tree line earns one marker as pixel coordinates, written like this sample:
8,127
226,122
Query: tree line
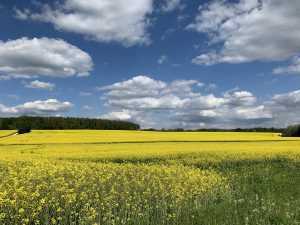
254,129
291,131
24,124
61,123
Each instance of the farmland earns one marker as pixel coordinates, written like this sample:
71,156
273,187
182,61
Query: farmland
4,133
136,177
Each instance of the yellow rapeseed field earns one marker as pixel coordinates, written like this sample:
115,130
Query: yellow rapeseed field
124,177
4,133
94,136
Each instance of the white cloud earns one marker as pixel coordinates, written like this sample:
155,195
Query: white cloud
2,77
139,86
140,98
144,118
146,101
162,59
181,87
122,115
28,58
205,102
122,21
154,103
7,110
252,113
159,103
239,98
206,59
40,85
170,5
249,30
42,108
21,15
289,100
292,69
285,108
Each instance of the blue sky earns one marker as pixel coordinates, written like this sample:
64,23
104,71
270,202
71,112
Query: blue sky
171,63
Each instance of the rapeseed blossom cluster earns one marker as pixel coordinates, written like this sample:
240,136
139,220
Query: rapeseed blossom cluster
60,192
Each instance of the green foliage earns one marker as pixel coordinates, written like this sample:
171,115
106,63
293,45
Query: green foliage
291,131
265,193
63,123
254,129
23,125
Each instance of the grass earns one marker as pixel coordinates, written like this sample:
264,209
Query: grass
91,177
265,193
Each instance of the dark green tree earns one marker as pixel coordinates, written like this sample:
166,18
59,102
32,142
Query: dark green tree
292,131
23,124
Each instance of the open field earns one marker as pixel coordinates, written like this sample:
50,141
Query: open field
94,136
135,177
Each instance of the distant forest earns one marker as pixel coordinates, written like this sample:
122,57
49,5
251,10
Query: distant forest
61,123
254,129
64,123
292,131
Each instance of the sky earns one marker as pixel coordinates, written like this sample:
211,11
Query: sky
160,63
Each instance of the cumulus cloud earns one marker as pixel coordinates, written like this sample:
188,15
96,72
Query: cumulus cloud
145,118
122,21
40,85
181,87
285,108
159,103
41,108
136,87
140,97
249,30
289,100
121,115
252,113
180,103
27,58
205,102
7,110
239,98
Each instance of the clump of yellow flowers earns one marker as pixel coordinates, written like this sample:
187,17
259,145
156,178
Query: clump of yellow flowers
60,192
